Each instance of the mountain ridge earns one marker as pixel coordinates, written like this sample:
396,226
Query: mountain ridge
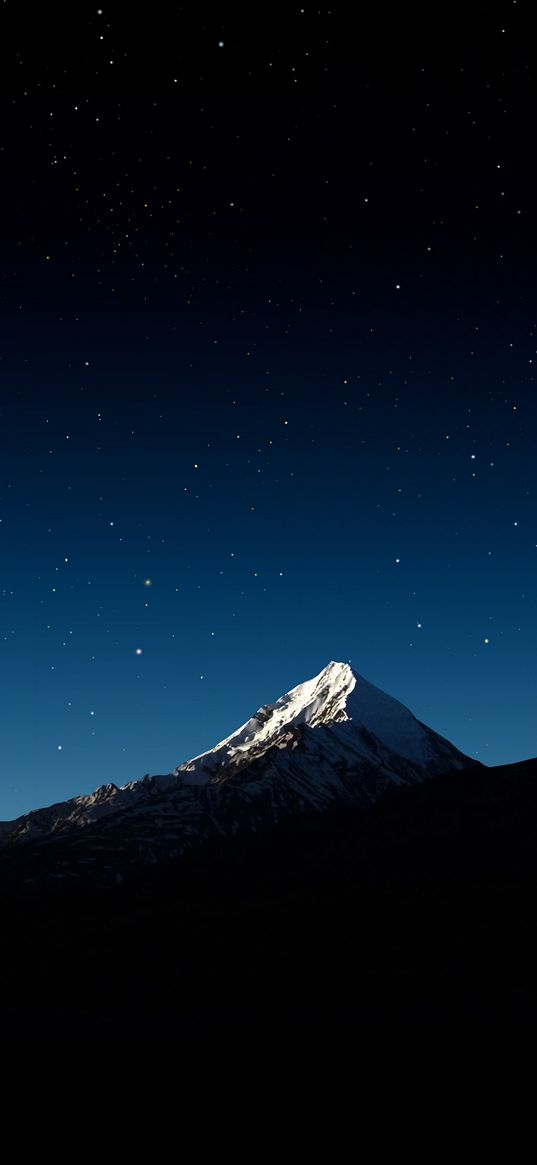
335,739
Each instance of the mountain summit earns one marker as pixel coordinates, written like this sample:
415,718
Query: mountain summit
375,724
335,739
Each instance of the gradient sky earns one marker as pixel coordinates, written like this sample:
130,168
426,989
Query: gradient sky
267,377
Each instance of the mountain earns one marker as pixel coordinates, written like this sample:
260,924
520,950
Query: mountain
304,872
417,907
333,740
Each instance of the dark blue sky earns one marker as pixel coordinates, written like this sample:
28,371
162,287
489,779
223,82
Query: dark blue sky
267,380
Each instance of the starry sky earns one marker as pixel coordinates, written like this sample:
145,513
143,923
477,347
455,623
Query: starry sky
267,375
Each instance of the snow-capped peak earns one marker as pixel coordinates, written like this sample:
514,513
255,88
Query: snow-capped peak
336,695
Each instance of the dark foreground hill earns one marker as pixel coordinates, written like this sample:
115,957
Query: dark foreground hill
421,907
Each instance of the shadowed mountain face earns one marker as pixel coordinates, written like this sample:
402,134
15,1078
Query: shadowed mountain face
417,907
335,740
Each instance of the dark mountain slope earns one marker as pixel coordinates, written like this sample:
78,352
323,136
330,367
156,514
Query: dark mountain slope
420,907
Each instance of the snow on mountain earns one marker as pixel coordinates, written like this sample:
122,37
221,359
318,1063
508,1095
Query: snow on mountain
337,695
333,739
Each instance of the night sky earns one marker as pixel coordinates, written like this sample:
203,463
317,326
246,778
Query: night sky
267,369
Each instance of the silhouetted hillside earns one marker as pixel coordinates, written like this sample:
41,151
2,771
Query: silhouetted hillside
421,907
